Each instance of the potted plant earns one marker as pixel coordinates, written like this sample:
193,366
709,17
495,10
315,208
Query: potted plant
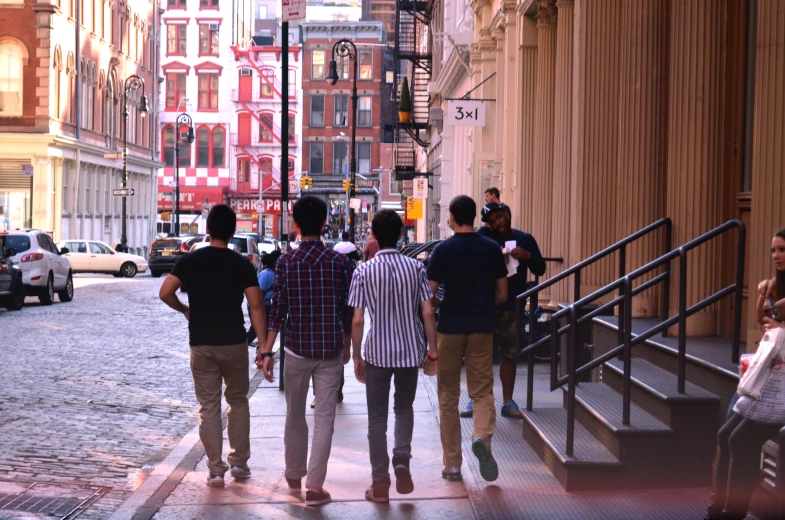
405,103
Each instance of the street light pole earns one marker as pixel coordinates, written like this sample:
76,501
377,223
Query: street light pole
342,49
132,83
182,119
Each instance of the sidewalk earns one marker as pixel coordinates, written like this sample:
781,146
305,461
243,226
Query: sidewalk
266,495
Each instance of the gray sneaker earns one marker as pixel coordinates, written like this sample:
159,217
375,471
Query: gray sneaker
215,479
241,472
452,473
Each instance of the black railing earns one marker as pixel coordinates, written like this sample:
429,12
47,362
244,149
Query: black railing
779,481
625,287
575,271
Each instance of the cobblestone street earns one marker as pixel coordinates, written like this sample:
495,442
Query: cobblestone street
93,390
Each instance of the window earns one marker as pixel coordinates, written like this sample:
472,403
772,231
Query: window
366,64
364,117
262,14
175,89
208,39
317,111
292,83
243,170
291,126
317,64
208,4
66,195
185,148
267,79
341,109
340,162
88,200
342,65
177,4
316,158
176,39
219,147
208,91
76,247
57,73
203,148
364,158
11,61
168,142
266,128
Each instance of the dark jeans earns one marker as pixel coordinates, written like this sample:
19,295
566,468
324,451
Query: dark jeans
252,333
377,393
737,472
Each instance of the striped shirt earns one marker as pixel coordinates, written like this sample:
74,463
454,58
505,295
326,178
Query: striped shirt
391,287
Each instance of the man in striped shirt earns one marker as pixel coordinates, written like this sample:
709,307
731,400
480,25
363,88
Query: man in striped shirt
393,288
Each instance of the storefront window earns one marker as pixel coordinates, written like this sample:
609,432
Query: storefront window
14,209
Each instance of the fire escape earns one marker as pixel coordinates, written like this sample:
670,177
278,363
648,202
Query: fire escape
413,59
260,103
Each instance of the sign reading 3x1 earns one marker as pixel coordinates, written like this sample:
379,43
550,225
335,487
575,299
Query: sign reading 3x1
123,192
465,113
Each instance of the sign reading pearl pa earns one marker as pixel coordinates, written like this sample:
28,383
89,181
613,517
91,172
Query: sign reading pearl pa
465,112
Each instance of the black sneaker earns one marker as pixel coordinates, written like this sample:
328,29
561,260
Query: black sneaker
317,498
295,484
378,493
403,477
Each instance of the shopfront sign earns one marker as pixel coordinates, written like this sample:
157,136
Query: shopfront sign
265,206
191,199
414,208
465,112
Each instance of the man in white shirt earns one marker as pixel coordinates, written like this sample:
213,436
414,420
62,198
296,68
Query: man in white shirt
347,248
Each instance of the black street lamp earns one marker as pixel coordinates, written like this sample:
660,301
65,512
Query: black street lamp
347,50
182,119
134,83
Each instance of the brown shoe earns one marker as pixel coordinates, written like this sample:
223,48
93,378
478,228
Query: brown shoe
379,493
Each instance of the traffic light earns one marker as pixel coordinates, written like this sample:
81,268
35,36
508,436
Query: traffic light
308,183
165,216
346,184
303,182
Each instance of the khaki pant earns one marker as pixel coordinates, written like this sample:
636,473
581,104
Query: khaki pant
211,366
477,349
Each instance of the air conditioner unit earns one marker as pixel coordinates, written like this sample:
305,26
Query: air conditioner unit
245,72
215,26
183,136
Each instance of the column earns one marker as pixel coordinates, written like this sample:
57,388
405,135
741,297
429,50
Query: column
562,129
768,160
511,96
526,104
542,181
500,174
595,133
641,155
695,146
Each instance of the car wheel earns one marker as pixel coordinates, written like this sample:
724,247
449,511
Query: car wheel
128,270
155,274
17,300
48,296
67,294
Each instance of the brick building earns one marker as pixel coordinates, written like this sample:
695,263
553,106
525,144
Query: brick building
327,123
63,71
381,11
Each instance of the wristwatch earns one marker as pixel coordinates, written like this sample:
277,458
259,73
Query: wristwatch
266,354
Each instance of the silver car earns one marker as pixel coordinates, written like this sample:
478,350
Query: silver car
45,270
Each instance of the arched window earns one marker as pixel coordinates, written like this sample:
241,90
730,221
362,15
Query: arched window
219,147
12,60
185,147
266,127
100,105
58,68
203,147
267,79
110,103
71,72
168,145
291,125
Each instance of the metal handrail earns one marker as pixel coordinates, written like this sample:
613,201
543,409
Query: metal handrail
422,248
625,284
779,482
575,270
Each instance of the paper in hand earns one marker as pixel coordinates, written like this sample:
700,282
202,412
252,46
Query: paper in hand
512,263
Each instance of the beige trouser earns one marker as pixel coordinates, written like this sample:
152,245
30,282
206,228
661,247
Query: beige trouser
477,349
210,367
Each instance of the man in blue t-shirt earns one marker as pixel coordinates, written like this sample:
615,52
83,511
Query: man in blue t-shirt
474,275
498,218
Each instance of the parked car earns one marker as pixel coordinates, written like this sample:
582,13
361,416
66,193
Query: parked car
165,252
93,256
45,270
247,246
12,289
268,245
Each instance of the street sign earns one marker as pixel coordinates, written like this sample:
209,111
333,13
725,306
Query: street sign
414,208
27,170
123,192
206,209
465,112
293,10
407,192
113,155
420,188
367,183
356,204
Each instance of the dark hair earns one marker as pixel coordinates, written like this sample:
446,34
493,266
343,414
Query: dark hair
310,213
345,236
269,259
387,226
780,274
494,192
221,222
463,210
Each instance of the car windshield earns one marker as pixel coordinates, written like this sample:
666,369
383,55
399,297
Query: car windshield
240,244
19,243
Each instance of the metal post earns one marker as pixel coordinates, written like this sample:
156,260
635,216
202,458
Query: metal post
622,305
571,346
682,320
284,169
666,291
353,153
176,206
739,297
123,231
627,319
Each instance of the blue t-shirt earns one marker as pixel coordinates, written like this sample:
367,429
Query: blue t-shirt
266,279
468,265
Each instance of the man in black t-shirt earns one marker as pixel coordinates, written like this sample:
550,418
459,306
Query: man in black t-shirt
217,278
474,275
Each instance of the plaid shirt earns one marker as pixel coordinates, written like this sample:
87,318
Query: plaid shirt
312,286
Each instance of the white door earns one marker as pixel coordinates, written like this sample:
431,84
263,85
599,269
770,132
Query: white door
102,258
57,262
78,255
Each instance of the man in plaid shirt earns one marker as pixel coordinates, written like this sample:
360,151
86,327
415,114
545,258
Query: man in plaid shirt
311,287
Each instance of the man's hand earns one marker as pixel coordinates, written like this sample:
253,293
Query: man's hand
766,287
267,368
520,254
359,370
187,313
429,367
769,324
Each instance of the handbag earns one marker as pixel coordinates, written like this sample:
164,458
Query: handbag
757,374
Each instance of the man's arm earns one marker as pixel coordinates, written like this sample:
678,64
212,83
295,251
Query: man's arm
429,320
501,290
168,295
535,263
358,327
435,302
258,318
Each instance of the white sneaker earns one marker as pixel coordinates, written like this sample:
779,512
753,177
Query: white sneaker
215,479
241,472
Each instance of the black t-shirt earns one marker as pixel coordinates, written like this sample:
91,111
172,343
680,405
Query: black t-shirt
216,280
468,265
